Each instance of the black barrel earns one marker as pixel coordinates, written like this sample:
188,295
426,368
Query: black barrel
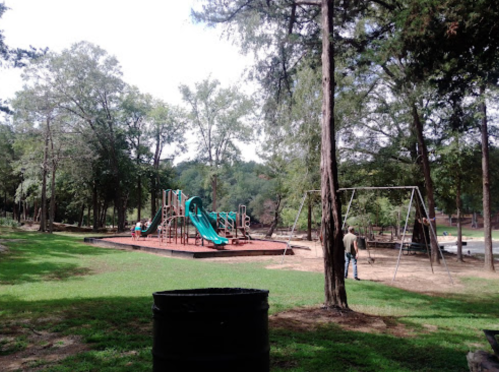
361,242
211,329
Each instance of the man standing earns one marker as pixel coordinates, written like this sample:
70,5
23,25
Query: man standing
351,252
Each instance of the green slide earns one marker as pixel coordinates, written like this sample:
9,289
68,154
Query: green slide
154,224
200,220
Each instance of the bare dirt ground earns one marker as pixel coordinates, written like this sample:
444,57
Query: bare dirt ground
415,271
42,348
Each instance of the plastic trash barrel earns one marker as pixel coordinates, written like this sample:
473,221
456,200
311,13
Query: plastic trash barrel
211,329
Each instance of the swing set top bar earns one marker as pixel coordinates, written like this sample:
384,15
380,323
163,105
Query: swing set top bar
371,188
379,188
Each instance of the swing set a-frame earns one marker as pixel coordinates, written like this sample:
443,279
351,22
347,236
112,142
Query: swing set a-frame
416,199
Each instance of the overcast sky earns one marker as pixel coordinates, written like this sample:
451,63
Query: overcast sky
155,41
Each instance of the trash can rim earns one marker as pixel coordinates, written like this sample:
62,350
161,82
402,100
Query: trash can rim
215,292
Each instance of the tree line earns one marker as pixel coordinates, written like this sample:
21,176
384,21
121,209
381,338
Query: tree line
352,93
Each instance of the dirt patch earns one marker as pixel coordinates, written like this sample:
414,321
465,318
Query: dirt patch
309,319
415,272
37,348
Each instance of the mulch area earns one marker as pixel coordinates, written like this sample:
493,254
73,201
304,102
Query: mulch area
154,242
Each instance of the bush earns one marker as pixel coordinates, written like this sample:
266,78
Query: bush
9,222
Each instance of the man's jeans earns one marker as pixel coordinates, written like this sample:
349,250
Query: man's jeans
348,257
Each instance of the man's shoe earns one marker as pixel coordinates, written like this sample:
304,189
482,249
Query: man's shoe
356,278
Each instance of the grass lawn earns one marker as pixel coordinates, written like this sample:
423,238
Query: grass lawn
469,233
55,284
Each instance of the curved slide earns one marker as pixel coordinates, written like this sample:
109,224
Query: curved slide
199,218
154,224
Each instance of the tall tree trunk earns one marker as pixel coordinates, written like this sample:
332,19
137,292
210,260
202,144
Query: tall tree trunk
423,152
35,208
52,200
103,214
487,226
214,186
275,222
88,215
458,222
119,203
334,259
139,182
43,217
139,207
82,212
95,204
153,196
309,218
155,179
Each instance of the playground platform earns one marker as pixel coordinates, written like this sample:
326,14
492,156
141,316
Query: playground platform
153,245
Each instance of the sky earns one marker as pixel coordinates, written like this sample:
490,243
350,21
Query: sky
155,41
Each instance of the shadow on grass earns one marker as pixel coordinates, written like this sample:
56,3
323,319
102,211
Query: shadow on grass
37,257
119,331
333,349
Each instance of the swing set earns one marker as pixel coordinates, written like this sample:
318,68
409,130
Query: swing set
419,243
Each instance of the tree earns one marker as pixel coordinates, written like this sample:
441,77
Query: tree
167,126
291,30
458,49
331,205
8,176
219,118
87,83
456,175
136,107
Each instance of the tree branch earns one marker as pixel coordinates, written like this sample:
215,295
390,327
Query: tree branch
311,2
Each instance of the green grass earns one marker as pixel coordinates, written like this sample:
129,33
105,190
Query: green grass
53,283
470,233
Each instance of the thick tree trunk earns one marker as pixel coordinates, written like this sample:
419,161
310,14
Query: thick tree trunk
458,222
423,152
334,259
487,226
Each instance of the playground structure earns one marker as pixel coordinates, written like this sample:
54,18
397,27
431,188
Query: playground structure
178,212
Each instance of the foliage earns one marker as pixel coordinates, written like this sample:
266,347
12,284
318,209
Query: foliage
8,222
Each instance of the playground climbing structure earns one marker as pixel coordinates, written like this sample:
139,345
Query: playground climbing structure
178,212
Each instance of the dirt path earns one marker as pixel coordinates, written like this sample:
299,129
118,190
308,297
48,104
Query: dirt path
415,272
